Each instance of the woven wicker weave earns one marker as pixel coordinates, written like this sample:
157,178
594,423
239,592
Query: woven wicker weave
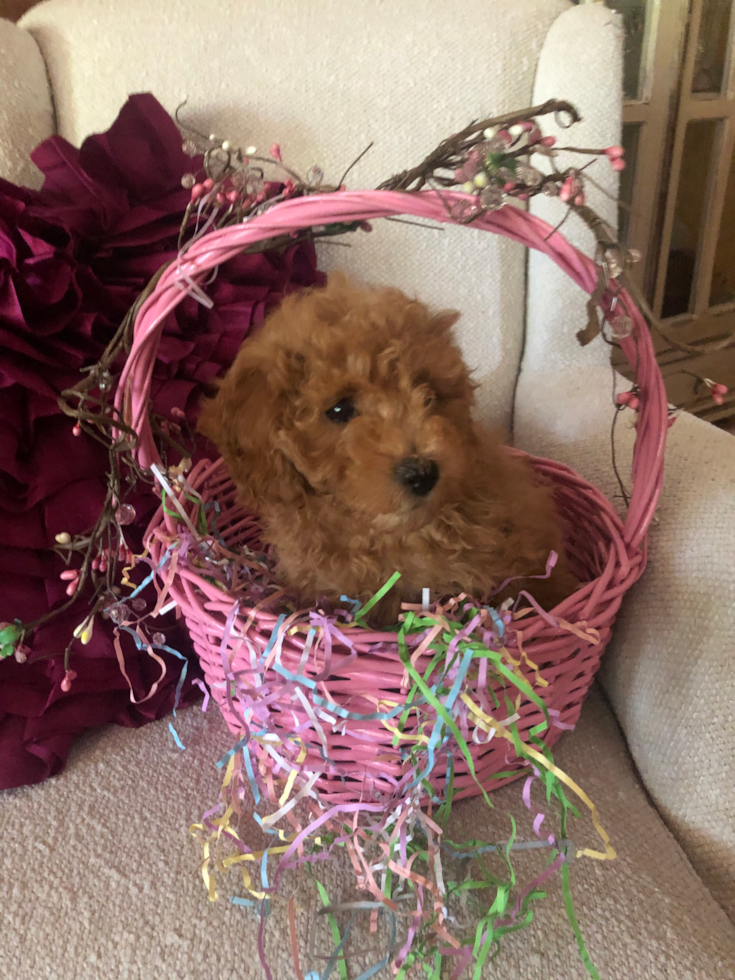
607,555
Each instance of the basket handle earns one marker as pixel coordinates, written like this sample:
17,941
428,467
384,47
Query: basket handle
194,264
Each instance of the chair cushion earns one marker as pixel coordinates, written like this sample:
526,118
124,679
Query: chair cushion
100,879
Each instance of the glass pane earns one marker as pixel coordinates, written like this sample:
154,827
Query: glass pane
635,13
690,198
709,62
723,274
631,139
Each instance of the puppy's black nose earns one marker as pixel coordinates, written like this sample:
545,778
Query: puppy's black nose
417,474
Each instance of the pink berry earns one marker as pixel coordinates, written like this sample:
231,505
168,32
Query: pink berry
232,196
579,199
634,403
69,676
208,184
523,197
528,126
509,186
504,135
624,397
567,190
717,398
196,192
220,198
77,430
177,413
617,164
95,564
69,575
720,389
547,140
72,587
615,152
534,135
275,152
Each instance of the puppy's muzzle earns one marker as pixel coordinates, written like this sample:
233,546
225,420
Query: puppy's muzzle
417,474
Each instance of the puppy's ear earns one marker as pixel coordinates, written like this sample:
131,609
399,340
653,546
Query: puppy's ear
244,421
444,321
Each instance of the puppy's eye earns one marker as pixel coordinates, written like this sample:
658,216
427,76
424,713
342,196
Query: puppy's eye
342,412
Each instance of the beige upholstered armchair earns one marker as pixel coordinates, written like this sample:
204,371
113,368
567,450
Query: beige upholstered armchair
98,877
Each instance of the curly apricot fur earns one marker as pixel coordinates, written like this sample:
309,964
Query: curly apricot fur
328,495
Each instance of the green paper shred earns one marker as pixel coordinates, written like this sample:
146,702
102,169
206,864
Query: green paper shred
493,882
336,937
360,614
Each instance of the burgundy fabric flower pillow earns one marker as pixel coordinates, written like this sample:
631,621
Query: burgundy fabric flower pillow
73,257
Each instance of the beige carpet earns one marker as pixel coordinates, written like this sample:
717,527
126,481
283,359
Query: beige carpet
99,878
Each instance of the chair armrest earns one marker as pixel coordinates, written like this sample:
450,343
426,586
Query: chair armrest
26,109
669,672
669,668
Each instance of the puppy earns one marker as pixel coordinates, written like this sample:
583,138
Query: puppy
346,425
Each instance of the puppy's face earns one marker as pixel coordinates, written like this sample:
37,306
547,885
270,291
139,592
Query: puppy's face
360,396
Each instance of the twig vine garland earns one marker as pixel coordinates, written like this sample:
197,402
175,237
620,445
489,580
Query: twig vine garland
473,683
490,160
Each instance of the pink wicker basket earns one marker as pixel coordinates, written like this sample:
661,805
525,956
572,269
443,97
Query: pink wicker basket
565,646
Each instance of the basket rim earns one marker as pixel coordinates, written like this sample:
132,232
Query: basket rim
584,605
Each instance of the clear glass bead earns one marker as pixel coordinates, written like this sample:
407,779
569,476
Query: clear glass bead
119,613
614,262
495,145
491,198
125,514
464,210
530,176
190,148
621,326
188,181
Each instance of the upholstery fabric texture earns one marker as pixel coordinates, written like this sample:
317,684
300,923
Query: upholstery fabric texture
297,73
26,109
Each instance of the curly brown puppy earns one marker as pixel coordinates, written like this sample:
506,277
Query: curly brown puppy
346,425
